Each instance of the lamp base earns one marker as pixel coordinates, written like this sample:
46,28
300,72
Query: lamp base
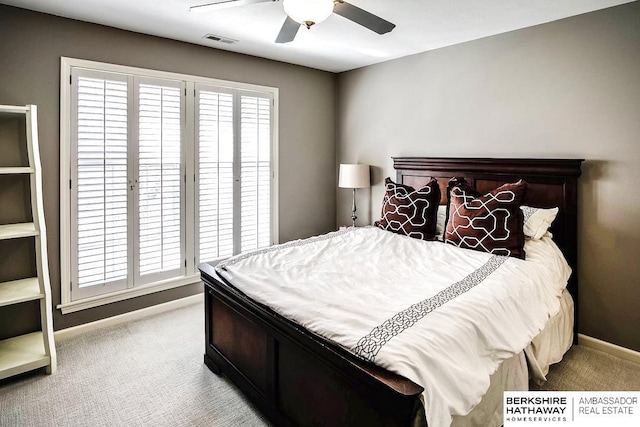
353,210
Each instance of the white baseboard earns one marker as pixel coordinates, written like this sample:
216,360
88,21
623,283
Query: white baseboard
73,331
607,347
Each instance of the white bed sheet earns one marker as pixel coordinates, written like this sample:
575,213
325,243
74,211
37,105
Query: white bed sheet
546,349
512,375
408,300
553,342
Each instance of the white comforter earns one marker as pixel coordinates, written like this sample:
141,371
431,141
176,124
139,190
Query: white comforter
390,299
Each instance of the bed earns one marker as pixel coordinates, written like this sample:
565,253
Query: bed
296,377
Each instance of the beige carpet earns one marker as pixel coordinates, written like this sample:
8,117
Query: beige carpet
150,373
144,373
586,369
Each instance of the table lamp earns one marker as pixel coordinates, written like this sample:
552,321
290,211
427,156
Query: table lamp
354,176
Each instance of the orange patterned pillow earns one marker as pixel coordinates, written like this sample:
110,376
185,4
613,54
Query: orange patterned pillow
492,222
408,211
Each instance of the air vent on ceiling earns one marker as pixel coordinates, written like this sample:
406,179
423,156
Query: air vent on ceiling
220,39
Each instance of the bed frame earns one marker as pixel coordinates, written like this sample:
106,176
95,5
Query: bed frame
296,377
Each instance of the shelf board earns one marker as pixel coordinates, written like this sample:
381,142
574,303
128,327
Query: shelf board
14,231
21,354
13,109
18,291
5,170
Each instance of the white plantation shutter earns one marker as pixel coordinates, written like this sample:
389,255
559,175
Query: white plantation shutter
215,151
160,238
234,179
165,171
101,186
255,172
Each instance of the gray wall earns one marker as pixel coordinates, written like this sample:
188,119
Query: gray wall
31,45
570,88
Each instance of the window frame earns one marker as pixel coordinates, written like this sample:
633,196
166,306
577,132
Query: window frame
189,223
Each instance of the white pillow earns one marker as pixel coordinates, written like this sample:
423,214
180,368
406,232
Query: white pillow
537,220
440,219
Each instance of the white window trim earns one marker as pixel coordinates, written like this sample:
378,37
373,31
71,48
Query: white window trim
192,276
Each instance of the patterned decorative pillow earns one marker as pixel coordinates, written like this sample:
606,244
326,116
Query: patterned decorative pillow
537,221
492,222
408,211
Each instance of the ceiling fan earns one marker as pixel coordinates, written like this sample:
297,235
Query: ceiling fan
308,13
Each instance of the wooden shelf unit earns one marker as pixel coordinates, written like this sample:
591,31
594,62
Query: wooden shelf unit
20,156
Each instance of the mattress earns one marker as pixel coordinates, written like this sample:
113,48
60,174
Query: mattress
444,317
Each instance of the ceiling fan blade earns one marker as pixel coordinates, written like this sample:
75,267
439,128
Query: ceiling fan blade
223,4
288,31
362,17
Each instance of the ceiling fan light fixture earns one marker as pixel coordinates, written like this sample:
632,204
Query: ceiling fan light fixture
308,12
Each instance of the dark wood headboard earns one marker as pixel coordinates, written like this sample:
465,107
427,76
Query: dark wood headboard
552,183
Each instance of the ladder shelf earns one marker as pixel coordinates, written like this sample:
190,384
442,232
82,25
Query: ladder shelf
28,281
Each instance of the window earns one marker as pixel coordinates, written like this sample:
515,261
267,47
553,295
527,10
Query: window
218,141
159,172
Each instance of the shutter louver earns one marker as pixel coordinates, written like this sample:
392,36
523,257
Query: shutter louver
102,186
160,183
215,175
255,172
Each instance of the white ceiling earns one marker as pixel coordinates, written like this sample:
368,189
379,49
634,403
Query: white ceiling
334,45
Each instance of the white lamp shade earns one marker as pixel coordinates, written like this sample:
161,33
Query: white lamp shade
308,11
354,176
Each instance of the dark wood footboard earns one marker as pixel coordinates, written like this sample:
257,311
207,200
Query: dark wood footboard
293,376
